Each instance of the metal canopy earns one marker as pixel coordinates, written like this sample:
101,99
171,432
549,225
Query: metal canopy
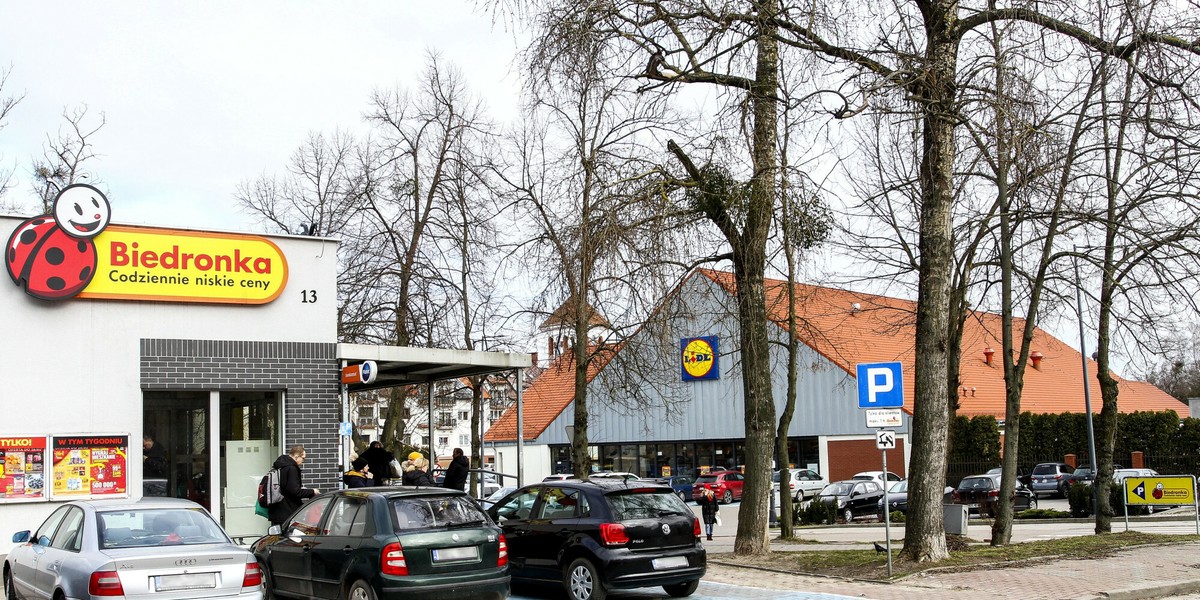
399,365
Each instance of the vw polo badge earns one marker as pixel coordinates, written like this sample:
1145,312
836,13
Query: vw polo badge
666,529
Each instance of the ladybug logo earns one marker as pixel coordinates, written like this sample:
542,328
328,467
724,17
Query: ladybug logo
54,256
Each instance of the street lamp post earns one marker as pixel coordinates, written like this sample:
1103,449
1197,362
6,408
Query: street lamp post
1087,385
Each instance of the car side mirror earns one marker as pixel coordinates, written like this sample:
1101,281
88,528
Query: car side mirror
274,530
21,537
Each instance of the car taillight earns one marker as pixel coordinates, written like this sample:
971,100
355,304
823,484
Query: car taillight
393,560
994,494
1059,476
696,526
253,575
502,555
956,497
613,534
105,583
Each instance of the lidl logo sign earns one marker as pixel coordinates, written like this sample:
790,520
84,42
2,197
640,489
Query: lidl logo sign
698,357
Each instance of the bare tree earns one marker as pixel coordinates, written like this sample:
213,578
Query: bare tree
63,158
909,51
7,104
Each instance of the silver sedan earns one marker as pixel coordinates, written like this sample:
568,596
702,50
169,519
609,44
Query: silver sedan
165,547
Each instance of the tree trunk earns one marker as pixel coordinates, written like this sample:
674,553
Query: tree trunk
925,535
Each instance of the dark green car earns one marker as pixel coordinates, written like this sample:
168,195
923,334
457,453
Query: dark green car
386,543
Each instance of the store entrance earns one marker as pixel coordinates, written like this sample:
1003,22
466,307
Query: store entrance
178,424
224,481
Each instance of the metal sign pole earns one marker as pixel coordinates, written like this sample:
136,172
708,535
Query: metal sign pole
887,516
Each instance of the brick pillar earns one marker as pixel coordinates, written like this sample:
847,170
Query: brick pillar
1137,460
1070,460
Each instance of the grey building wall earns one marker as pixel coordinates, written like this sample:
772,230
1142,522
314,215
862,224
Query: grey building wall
655,405
308,374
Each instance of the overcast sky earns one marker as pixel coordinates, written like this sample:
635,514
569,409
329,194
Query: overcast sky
200,96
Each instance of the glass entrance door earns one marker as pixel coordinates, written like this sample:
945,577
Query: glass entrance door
250,437
178,424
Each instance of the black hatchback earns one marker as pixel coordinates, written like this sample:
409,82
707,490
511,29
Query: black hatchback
386,543
595,535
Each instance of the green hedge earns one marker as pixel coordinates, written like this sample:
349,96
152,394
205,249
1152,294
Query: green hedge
1080,501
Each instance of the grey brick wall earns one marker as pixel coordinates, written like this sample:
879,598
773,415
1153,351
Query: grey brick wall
308,373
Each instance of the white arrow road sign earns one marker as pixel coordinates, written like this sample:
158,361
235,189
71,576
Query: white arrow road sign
885,439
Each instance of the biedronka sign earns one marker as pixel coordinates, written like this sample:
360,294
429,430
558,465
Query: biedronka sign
74,252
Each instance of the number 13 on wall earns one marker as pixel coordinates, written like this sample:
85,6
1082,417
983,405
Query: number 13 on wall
308,296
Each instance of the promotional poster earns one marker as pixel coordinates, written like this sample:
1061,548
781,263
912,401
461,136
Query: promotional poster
87,466
22,468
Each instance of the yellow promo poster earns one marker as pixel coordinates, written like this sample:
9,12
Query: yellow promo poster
22,468
88,466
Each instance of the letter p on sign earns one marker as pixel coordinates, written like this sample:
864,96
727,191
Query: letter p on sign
880,385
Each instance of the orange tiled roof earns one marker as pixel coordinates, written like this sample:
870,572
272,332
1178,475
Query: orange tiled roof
881,330
544,399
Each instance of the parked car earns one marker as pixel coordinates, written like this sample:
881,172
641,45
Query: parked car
981,493
559,477
896,498
386,543
1120,475
727,485
601,534
613,475
165,547
805,483
877,476
1051,478
854,497
1022,475
1083,474
682,485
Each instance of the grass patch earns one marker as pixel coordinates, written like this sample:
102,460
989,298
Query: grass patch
869,564
1042,513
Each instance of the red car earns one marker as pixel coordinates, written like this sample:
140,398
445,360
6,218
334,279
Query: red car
727,485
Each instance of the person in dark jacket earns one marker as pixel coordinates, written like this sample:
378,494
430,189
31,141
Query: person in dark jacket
359,474
708,510
379,461
456,473
291,486
417,472
154,458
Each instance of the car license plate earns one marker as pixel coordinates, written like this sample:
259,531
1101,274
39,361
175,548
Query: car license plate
187,581
455,554
974,505
670,562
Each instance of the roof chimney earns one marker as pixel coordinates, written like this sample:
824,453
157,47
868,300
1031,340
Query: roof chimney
533,357
987,356
1036,357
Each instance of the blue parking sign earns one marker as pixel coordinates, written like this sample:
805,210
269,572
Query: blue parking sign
880,385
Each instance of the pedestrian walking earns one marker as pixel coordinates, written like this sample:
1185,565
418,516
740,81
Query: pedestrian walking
359,474
708,510
456,473
291,485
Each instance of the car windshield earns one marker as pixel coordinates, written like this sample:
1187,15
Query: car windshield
158,527
424,512
900,487
840,488
645,504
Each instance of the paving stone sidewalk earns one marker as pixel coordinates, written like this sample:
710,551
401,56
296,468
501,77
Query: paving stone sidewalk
1146,572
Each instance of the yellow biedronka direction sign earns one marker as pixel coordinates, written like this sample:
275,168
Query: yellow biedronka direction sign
1170,490
141,263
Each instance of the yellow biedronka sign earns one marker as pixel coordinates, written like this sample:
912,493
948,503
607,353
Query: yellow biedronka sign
140,263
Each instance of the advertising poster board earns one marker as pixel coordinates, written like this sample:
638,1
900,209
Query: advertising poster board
89,466
23,468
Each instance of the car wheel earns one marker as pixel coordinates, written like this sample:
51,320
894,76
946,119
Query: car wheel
1033,503
1062,491
727,497
849,515
682,590
10,589
361,590
582,581
268,587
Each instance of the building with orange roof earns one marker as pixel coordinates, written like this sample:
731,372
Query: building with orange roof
685,425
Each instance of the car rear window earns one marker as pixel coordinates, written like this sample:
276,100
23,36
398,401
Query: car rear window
976,483
426,512
644,504
158,527
706,479
1045,470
